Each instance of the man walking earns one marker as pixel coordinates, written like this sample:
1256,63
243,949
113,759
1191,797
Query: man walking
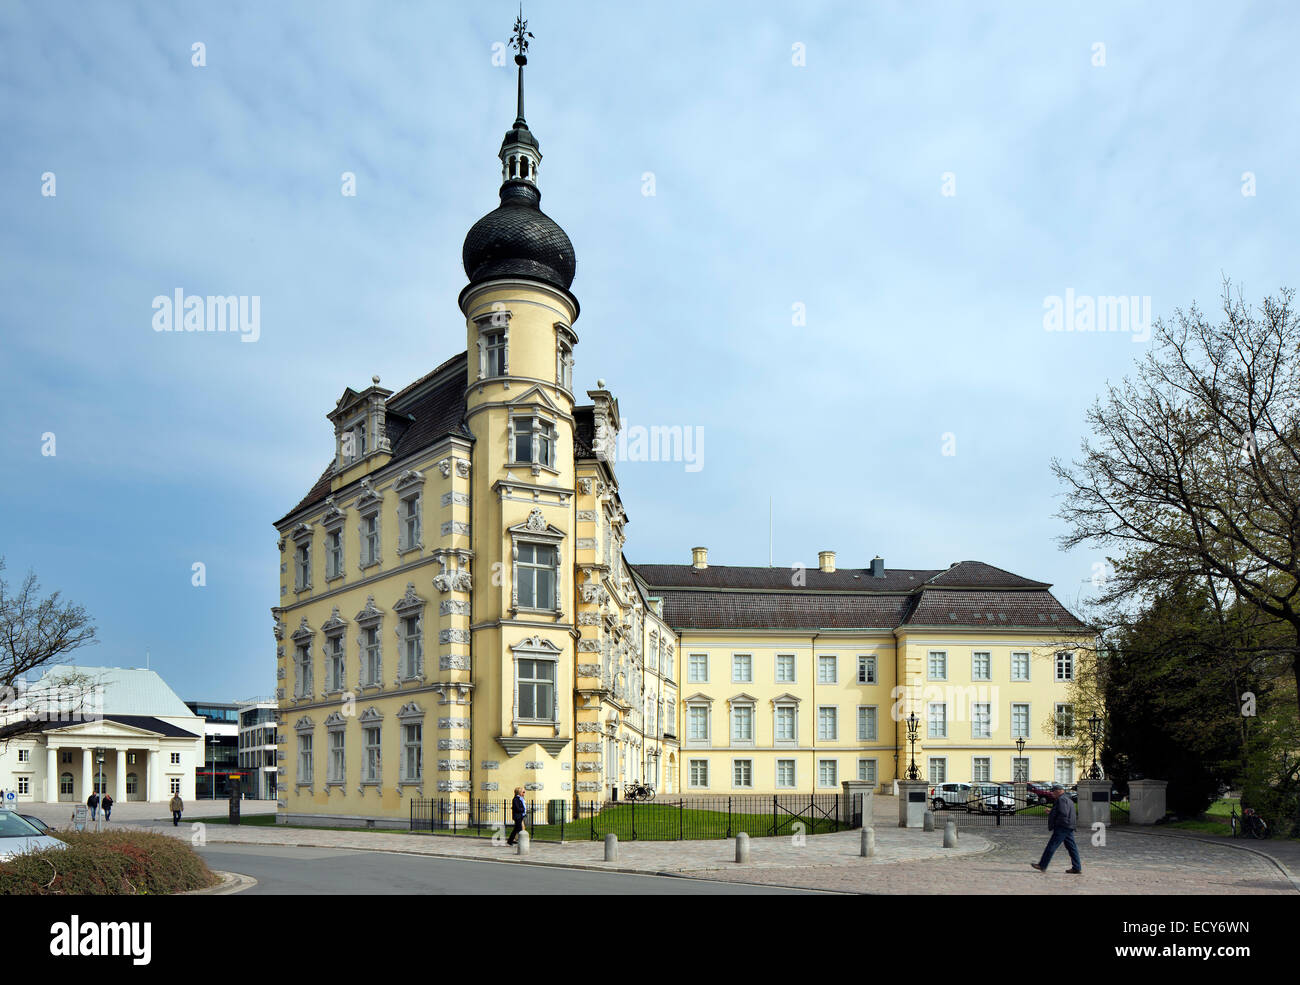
1061,822
107,805
93,803
177,805
517,811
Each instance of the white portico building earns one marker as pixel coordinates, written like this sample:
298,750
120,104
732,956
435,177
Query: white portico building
137,741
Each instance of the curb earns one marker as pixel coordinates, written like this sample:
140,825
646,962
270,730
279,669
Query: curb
231,883
1222,843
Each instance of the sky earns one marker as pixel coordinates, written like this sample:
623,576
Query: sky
826,235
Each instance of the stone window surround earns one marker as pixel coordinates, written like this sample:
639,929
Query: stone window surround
409,606
410,483
335,724
876,725
742,701
304,726
335,628
698,701
369,618
565,340
302,641
535,648
410,713
834,720
541,419
873,668
490,323
371,718
535,530
301,535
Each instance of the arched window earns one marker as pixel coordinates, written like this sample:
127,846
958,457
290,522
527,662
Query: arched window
512,167
523,167
65,784
132,784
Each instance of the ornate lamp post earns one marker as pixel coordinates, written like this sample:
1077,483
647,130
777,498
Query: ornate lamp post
1094,728
913,723
1020,754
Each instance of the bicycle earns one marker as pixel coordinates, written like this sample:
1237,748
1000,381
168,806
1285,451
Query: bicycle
639,791
1248,823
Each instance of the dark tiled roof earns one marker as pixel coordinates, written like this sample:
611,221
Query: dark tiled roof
1036,608
968,594
782,579
418,415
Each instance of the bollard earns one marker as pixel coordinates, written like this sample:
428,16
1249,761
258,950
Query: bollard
611,848
927,823
950,835
521,843
742,849
868,842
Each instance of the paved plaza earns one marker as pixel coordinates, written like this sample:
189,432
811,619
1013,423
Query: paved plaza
1134,861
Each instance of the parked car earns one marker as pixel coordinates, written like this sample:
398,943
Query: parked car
39,825
1040,791
17,836
945,795
989,798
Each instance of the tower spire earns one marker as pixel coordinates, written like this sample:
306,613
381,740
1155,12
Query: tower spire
519,41
520,154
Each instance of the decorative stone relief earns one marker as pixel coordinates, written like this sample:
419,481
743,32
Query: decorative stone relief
453,636
491,785
462,467
588,618
534,764
584,486
586,543
453,662
590,768
590,727
457,745
454,786
588,516
453,608
586,747
490,764
445,467
454,527
453,765
566,766
532,786
535,520
454,498
566,785
588,786
588,646
453,723
588,670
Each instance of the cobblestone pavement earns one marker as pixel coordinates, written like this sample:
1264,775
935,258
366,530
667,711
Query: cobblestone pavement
136,812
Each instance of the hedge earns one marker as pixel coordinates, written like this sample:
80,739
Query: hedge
107,863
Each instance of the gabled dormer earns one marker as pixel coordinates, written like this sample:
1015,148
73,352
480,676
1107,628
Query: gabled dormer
360,436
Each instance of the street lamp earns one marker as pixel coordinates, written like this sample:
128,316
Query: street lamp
99,783
913,723
1094,728
1020,754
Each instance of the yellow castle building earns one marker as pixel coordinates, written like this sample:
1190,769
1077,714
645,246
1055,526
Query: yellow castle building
457,617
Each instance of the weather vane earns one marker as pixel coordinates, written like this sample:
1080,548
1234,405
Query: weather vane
519,41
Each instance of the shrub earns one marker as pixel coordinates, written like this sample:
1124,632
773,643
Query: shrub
108,863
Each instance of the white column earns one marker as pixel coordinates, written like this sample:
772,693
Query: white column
153,793
87,773
51,775
119,778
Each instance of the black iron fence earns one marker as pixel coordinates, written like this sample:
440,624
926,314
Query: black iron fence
985,804
677,819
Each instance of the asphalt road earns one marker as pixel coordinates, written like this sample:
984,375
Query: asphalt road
291,870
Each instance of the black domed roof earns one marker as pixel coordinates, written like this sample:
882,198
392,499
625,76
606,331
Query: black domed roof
518,239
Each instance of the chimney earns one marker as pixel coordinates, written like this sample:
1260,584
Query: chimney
699,558
826,561
877,567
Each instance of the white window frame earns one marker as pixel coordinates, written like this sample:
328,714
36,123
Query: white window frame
825,660
931,732
1065,665
413,751
691,667
834,721
793,708
691,708
834,782
693,768
937,769
794,774
749,768
793,665
1063,731
942,656
872,723
745,706
981,762
863,765
372,749
981,723
867,669
1064,770
372,542
1016,731
1016,763
745,661
1015,655
975,667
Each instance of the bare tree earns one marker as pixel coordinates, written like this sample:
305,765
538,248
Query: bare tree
36,631
1193,468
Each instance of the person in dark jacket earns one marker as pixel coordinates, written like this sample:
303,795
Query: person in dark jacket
107,805
1061,822
93,803
517,811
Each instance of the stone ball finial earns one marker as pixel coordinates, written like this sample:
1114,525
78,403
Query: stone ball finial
375,379
601,384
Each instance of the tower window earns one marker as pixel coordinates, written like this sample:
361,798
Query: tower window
496,353
523,167
534,441
536,571
512,167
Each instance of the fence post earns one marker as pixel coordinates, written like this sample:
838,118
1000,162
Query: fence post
728,817
681,820
773,831
564,809
633,820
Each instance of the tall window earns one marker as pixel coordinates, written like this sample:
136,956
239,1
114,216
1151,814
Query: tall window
414,647
370,742
697,668
938,725
1064,721
411,521
1019,721
828,726
1064,770
370,656
304,757
338,669
867,770
334,553
412,753
828,773
1020,666
785,772
534,441
536,569
697,723
699,773
1019,769
938,768
981,769
742,668
981,666
785,668
981,720
866,670
742,772
564,365
938,665
302,567
537,690
302,685
338,762
742,723
495,349
1064,665
784,731
370,539
826,672
867,723
65,784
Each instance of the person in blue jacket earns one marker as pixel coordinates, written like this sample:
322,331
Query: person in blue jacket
1061,822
